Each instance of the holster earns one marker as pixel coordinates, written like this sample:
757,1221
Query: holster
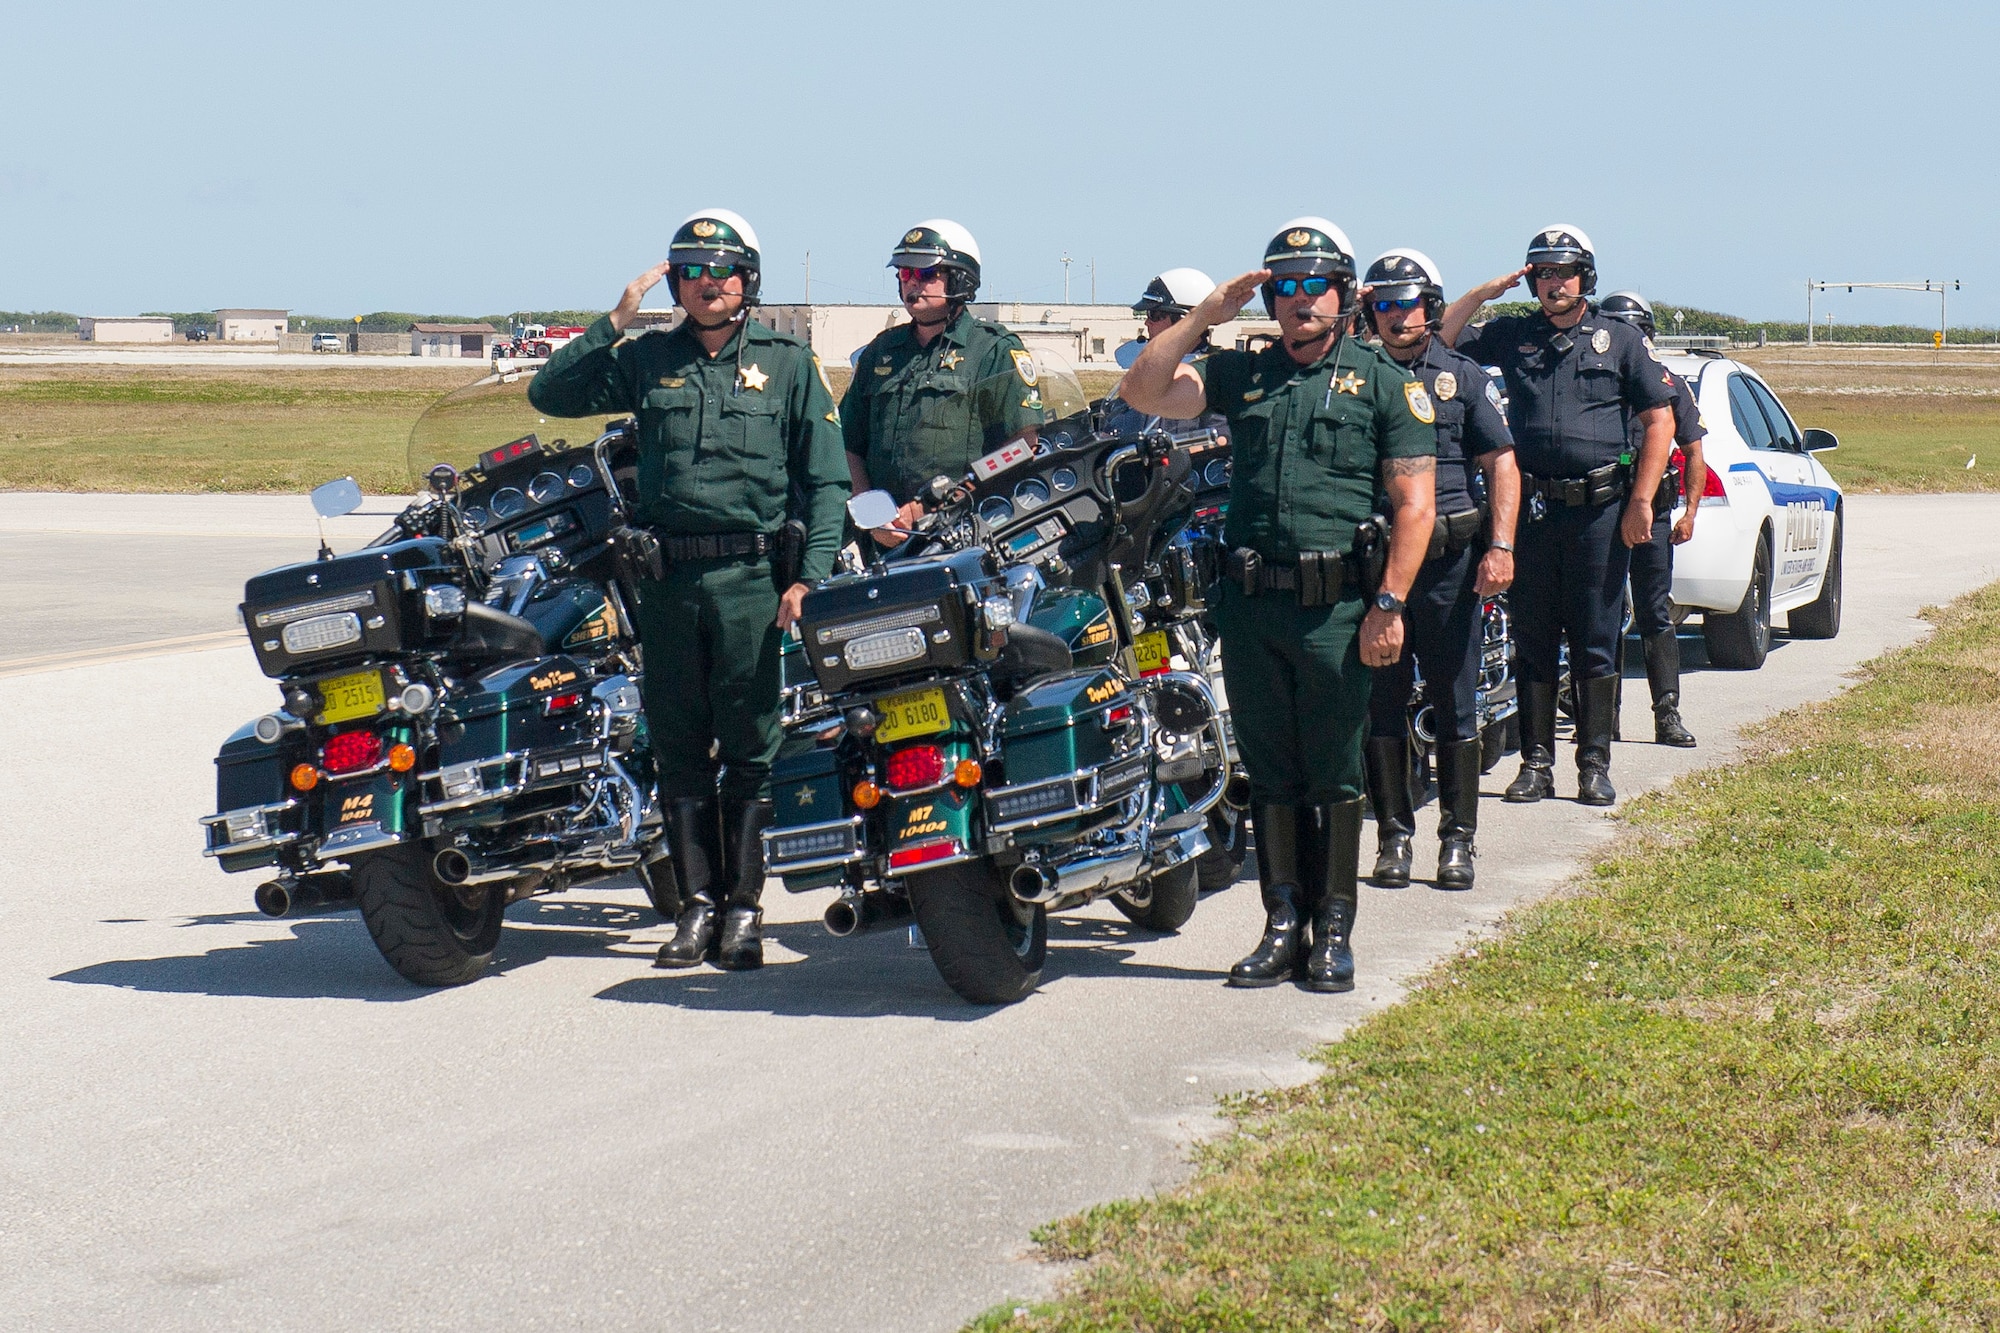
637,554
1371,552
788,555
1452,533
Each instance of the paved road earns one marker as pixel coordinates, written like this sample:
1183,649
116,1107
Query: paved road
208,1120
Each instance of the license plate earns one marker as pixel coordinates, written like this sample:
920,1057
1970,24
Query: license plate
1153,652
343,698
918,713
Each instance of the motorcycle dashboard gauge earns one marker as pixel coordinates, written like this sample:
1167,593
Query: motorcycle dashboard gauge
581,476
508,501
474,517
1030,493
1216,473
996,510
1063,479
545,487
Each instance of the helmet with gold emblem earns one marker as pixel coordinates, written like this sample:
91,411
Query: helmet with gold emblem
717,238
1307,248
941,243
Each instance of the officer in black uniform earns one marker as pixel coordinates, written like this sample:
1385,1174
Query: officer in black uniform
1319,422
1471,557
1575,381
1166,301
1653,560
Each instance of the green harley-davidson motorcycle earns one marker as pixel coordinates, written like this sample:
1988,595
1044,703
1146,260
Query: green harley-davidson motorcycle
978,745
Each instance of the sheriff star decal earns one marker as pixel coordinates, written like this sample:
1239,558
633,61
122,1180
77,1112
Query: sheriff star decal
1420,402
750,377
1446,387
950,360
1350,383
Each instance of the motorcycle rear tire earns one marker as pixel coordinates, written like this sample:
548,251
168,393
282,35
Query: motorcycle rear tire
1174,895
1228,844
431,933
987,947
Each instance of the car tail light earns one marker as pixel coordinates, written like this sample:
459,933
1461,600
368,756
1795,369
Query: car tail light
915,766
351,751
923,853
1711,489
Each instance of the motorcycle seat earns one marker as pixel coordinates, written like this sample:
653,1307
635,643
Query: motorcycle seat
489,632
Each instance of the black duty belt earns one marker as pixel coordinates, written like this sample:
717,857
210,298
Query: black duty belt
714,545
1454,532
1318,577
1599,486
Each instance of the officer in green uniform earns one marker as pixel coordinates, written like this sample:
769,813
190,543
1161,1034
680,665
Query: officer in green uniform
930,396
733,418
1318,421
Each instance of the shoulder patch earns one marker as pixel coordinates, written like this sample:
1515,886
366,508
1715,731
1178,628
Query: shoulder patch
824,382
1420,403
1024,366
1446,386
1493,391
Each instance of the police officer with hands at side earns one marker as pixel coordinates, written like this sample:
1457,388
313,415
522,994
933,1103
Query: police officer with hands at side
1653,560
930,396
1471,558
1318,421
733,418
1575,382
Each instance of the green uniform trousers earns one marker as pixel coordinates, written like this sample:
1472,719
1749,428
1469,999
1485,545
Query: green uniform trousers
1298,694
711,642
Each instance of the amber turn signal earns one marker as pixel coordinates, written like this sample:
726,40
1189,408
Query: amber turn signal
867,795
966,773
402,758
305,777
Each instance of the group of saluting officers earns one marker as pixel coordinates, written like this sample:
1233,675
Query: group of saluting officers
1373,400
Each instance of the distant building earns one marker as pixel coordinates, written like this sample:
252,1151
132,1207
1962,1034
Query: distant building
452,340
1087,336
124,328
252,326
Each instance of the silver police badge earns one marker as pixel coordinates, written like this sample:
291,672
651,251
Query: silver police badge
1446,387
1600,341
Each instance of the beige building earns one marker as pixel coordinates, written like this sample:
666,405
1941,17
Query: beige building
251,326
124,328
1087,336
452,340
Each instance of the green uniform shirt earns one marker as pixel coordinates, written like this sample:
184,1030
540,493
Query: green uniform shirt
1307,442
723,440
912,413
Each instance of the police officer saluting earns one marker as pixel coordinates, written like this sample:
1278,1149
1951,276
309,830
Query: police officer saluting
930,396
1166,301
1318,422
1575,381
732,417
1653,559
1471,558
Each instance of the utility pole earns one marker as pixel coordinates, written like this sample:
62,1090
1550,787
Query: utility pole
1066,262
1093,279
809,277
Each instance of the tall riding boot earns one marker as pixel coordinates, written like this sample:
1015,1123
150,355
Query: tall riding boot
1330,964
1538,744
1663,674
1596,699
1278,848
742,944
1388,772
694,833
1458,811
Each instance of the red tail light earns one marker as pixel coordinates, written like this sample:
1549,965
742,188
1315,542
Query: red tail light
350,751
923,853
562,703
1712,488
916,766
1118,716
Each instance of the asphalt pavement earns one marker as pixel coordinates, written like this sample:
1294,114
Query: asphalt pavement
211,1120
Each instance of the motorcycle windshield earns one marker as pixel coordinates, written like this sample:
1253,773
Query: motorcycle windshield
1039,389
470,427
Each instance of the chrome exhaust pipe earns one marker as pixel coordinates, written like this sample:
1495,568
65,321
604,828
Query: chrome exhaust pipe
1236,791
859,913
1031,883
305,896
452,866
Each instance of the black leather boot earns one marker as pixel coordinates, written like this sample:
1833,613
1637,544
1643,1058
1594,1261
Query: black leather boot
742,944
1330,963
1278,846
1458,811
1595,701
694,833
1388,774
1663,675
1538,744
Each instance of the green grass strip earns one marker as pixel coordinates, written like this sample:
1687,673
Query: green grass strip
1744,1074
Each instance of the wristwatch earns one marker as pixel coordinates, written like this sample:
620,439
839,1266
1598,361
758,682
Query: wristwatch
1508,547
1389,602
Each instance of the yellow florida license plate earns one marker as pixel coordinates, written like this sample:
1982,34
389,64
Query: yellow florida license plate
918,713
1153,652
346,697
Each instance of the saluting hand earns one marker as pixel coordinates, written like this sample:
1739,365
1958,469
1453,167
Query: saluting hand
1497,287
635,291
1227,301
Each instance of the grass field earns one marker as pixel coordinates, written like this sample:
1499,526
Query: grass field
1745,1075
1903,426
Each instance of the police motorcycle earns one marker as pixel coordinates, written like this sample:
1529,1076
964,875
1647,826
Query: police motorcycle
461,723
984,748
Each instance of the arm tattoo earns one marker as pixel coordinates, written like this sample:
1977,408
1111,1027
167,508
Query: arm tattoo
1421,465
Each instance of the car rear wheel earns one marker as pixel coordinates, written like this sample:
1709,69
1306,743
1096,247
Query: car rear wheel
1739,640
1820,618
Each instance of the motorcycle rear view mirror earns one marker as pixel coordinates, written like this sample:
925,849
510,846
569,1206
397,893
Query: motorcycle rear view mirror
336,498
872,509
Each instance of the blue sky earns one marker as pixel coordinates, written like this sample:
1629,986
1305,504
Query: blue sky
483,158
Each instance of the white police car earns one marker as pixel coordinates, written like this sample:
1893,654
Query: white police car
1768,534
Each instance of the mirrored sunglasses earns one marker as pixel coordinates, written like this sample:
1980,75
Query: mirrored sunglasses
1294,286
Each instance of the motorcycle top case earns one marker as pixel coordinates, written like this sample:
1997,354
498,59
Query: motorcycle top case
507,711
914,618
321,613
